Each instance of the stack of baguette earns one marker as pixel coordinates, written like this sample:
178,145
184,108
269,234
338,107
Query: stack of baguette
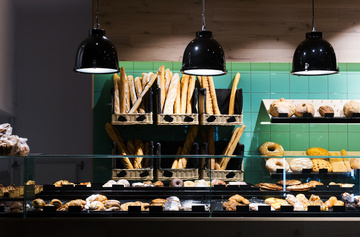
132,147
129,91
180,163
176,95
221,163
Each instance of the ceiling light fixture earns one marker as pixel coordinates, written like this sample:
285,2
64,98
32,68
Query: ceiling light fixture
204,56
96,54
314,56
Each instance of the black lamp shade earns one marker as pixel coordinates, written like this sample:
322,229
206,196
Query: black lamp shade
204,56
96,54
314,56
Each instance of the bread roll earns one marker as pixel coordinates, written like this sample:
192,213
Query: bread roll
184,91
300,109
191,88
325,110
170,99
116,105
281,107
351,107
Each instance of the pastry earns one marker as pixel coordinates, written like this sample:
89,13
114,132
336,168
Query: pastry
158,184
172,204
298,164
96,197
299,187
338,165
269,186
217,182
271,149
331,201
60,183
176,183
300,109
281,107
190,93
355,163
189,184
158,201
289,182
321,164
231,205
56,203
273,164
137,184
123,182
351,107
325,110
148,184
317,151
171,95
95,206
202,183
240,199
143,206
112,205
233,94
38,203
298,206
301,197
313,183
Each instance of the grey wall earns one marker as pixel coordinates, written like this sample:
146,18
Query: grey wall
53,104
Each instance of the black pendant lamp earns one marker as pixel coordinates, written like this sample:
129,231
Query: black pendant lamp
96,54
204,56
314,56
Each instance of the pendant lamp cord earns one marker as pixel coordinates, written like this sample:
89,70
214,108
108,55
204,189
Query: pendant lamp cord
313,17
97,25
203,17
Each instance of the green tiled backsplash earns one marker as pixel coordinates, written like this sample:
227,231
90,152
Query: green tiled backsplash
258,81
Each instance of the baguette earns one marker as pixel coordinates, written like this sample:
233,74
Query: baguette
122,86
130,145
184,91
200,81
177,104
189,140
170,98
138,87
211,146
132,90
233,93
209,106
235,138
146,88
190,94
139,150
168,78
213,96
116,137
147,152
175,164
116,94
144,79
161,82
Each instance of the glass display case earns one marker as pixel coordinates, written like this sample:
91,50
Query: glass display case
62,189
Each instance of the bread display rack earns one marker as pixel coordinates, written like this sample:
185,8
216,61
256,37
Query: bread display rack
179,119
223,98
337,117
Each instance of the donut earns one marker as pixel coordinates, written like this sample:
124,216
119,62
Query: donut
351,107
176,183
123,182
271,149
217,182
300,109
281,107
189,184
298,164
274,163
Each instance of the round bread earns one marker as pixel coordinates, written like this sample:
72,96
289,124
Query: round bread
325,110
351,107
300,109
298,164
271,149
317,151
176,183
189,184
281,107
321,164
274,163
355,163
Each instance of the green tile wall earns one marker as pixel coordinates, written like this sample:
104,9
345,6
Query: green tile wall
258,81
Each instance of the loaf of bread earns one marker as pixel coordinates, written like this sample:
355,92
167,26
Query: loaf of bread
116,79
325,110
213,95
351,107
172,92
191,88
300,109
132,90
281,107
184,91
138,87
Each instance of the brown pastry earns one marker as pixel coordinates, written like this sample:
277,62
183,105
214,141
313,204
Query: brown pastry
231,205
317,151
313,183
240,199
217,182
159,184
289,182
325,110
300,187
269,186
300,109
281,107
158,202
56,203
38,203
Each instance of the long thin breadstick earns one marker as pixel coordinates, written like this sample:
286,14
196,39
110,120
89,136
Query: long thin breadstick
190,94
138,87
184,91
116,105
233,93
209,106
146,88
132,89
122,86
235,138
116,137
177,104
213,96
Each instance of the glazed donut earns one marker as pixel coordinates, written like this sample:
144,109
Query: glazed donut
271,149
281,107
189,184
274,163
217,182
176,183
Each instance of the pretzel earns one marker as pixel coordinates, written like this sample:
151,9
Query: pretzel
233,93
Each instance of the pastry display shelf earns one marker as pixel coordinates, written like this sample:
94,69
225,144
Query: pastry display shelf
337,117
